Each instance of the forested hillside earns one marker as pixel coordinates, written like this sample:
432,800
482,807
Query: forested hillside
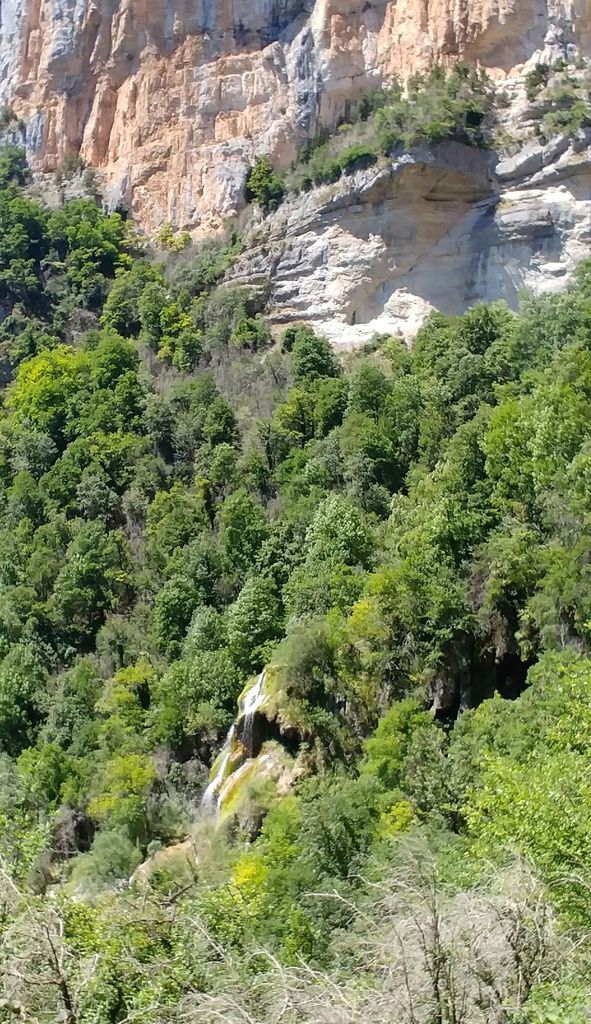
402,538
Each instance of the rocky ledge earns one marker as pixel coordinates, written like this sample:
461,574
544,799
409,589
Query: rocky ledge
440,228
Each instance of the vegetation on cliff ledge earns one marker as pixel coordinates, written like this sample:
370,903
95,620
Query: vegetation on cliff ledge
431,107
461,104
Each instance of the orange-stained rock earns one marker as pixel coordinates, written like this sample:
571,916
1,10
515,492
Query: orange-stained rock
172,99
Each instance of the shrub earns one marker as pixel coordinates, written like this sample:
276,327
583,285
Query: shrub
313,357
172,241
7,117
263,186
70,165
357,158
113,856
207,264
435,106
252,333
536,80
13,166
568,120
90,182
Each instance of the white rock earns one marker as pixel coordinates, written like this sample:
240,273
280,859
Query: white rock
376,252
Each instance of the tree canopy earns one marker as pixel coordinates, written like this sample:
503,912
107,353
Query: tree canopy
402,538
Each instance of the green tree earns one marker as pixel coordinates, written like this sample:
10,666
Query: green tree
124,786
254,622
263,186
13,166
173,611
70,721
23,686
369,388
45,389
95,578
243,529
196,696
121,311
387,749
312,357
174,519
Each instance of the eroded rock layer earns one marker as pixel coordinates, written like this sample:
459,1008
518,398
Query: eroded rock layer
440,228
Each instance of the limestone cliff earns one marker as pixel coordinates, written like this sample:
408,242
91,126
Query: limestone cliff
171,99
440,228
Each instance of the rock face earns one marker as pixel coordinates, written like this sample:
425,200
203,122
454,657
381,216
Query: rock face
172,99
439,228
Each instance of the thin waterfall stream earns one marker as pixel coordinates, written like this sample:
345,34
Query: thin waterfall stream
210,797
248,706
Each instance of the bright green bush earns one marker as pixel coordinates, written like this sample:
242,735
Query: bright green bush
263,186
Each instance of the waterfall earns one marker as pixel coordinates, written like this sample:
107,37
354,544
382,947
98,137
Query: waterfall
248,705
209,800
248,708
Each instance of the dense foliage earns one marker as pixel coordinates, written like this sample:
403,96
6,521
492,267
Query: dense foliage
263,186
400,536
